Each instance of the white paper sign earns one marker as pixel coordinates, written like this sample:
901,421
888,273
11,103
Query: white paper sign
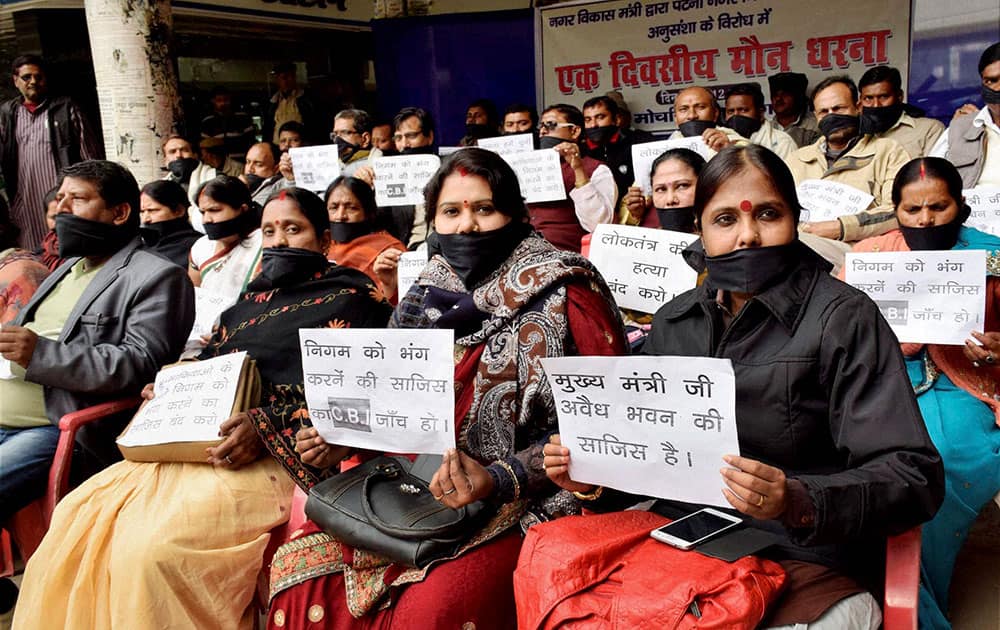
927,296
387,390
539,174
5,370
505,145
208,306
408,270
315,167
643,156
642,266
192,401
446,151
400,179
656,426
985,204
823,200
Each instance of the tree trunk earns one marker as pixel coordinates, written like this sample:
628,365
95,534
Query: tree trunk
136,80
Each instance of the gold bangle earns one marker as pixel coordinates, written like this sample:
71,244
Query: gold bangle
510,471
590,496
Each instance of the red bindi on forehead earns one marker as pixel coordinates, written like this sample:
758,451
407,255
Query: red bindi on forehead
746,206
464,172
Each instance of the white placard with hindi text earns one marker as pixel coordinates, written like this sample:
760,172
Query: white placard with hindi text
655,426
446,151
192,400
382,389
539,174
315,167
984,201
824,200
926,296
6,374
400,179
208,306
408,270
642,266
643,156
504,145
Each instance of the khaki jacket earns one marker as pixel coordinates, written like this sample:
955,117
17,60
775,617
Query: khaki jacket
870,166
915,135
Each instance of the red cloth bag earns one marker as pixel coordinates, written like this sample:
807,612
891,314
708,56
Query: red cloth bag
604,571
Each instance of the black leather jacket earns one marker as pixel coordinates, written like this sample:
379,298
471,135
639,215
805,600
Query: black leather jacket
822,393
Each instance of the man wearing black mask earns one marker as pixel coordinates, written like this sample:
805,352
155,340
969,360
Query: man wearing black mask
98,328
604,141
972,142
883,113
697,114
413,134
745,116
352,133
261,171
183,167
791,107
480,122
844,155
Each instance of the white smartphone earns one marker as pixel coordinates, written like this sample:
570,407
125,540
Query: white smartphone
685,533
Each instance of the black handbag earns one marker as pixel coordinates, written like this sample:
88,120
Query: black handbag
381,507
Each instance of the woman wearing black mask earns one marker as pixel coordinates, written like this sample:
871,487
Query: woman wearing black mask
123,538
357,240
511,298
165,228
227,257
673,176
834,455
955,385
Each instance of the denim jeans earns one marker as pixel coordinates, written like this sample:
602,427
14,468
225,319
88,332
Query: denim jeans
25,459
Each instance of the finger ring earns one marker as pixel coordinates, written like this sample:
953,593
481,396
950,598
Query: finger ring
227,459
437,497
990,358
761,502
452,491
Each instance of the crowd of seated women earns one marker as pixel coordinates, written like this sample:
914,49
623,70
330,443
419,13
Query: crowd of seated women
846,436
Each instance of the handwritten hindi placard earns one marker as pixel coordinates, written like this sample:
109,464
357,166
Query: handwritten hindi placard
315,167
824,200
387,390
505,145
643,267
984,201
656,426
539,174
208,306
400,179
408,270
6,373
927,296
192,400
643,156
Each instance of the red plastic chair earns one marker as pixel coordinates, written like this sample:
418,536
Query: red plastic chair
28,526
902,581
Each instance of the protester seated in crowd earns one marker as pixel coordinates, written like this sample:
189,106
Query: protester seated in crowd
212,151
673,175
48,250
590,187
161,545
20,273
413,134
697,114
226,258
382,144
745,116
352,133
846,156
833,454
519,118
97,329
884,115
180,161
603,141
955,385
791,107
292,134
260,172
357,241
972,141
624,120
165,229
481,121
512,298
